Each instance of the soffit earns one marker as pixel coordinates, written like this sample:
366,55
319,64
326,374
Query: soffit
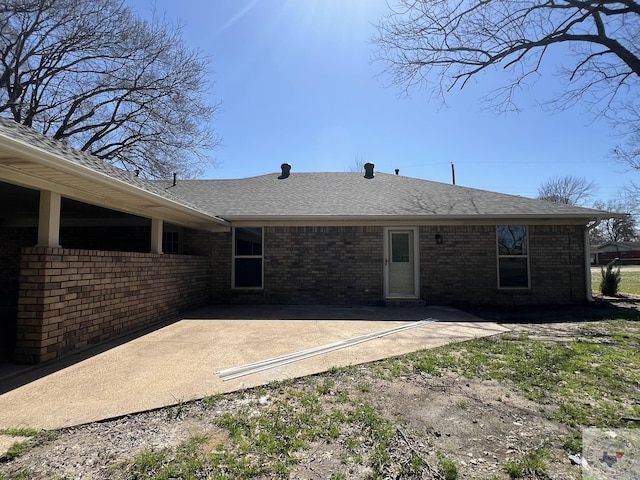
86,179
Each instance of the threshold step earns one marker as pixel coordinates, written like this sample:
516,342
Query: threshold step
404,302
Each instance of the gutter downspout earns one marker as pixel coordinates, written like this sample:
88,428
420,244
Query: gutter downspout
587,258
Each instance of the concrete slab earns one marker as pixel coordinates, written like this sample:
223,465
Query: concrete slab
178,362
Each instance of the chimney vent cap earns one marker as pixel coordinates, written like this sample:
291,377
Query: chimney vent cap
368,169
286,171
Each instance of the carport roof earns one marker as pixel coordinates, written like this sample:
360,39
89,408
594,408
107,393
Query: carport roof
35,161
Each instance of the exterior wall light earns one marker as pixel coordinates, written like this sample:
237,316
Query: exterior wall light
438,239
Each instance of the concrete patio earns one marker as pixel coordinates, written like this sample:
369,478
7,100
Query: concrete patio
177,361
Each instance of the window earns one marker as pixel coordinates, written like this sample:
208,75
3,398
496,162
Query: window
513,257
170,242
247,257
400,247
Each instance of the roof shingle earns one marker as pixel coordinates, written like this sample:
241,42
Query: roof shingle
350,194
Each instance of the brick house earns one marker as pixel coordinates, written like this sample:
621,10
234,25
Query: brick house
626,253
89,251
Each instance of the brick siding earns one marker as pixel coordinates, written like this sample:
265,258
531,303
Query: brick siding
71,298
344,265
463,269
307,265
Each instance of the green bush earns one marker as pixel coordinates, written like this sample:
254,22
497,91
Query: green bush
610,279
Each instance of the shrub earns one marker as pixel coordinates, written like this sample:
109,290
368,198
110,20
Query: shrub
610,278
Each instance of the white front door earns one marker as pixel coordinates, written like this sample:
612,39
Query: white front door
401,267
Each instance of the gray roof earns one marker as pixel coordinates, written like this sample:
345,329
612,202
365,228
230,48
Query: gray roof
348,194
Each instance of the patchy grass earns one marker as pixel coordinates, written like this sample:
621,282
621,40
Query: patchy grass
534,464
593,379
268,435
33,438
589,377
19,432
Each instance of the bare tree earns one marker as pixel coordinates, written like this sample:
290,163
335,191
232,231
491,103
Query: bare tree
358,164
628,151
570,190
449,42
94,75
618,229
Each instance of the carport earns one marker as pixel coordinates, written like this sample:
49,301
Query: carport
68,224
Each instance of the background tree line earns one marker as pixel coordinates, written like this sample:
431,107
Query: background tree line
575,190
94,75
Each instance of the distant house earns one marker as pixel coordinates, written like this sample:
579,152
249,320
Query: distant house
627,253
89,251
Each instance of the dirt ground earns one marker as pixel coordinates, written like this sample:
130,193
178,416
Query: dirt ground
479,425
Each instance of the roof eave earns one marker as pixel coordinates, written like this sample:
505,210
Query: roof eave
412,219
21,152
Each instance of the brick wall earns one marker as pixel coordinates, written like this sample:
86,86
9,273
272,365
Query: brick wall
71,298
323,265
463,269
460,270
557,257
307,265
344,265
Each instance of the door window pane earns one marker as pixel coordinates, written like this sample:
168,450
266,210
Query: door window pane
399,247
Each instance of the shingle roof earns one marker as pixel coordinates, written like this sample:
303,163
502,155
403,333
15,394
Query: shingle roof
351,195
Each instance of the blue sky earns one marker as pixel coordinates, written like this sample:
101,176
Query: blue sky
297,84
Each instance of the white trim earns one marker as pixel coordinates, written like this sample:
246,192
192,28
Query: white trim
587,260
398,221
416,261
156,235
49,219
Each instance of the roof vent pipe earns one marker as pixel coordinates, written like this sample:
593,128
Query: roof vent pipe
286,171
397,171
368,170
175,176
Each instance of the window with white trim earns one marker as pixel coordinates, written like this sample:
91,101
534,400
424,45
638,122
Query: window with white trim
247,257
513,256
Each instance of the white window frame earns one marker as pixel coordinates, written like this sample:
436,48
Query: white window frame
234,257
500,256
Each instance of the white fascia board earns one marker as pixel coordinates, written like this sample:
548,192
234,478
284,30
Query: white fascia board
277,220
34,154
